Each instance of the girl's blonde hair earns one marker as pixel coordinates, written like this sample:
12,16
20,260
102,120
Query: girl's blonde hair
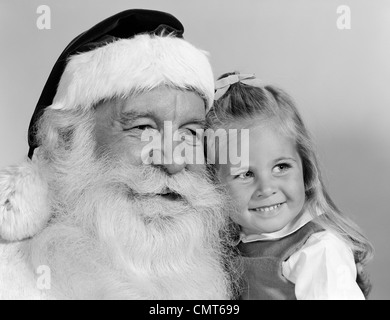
245,103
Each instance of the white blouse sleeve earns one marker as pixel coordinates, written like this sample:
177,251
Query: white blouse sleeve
323,269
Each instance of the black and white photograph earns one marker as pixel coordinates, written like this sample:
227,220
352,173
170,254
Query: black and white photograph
194,150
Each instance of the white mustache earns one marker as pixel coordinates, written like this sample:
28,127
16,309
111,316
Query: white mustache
145,180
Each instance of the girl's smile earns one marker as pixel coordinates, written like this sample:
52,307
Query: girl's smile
271,209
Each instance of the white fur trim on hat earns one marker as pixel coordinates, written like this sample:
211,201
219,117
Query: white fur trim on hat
24,209
143,62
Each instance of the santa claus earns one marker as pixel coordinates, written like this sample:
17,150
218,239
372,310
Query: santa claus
98,211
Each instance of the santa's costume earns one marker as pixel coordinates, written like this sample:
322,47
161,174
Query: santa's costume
124,52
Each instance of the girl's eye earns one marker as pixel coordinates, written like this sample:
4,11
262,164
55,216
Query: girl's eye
281,168
245,175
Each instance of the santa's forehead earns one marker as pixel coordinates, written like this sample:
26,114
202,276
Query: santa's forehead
164,104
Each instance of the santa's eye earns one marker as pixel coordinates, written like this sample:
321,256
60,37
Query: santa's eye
190,131
190,136
143,127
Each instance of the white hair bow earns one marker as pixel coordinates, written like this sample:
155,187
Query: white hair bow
223,85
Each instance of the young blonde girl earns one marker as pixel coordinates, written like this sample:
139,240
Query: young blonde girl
295,242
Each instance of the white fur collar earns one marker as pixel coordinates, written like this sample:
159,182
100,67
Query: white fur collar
24,209
18,281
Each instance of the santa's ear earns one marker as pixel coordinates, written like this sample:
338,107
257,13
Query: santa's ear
24,207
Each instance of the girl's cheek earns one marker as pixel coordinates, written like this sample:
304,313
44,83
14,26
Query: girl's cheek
236,194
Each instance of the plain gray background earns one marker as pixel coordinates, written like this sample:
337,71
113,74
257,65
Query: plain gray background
339,78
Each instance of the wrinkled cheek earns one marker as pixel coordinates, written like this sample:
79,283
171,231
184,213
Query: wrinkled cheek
121,152
128,154
197,168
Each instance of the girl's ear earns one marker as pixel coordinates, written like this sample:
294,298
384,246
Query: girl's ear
24,207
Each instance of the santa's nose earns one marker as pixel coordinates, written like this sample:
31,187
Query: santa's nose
173,168
172,161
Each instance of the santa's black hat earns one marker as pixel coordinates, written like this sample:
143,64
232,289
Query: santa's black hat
124,25
132,50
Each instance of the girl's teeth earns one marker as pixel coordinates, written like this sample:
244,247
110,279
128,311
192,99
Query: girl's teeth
266,209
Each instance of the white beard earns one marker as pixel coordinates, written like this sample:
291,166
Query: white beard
111,238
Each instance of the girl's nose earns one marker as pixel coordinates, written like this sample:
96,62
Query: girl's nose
265,187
